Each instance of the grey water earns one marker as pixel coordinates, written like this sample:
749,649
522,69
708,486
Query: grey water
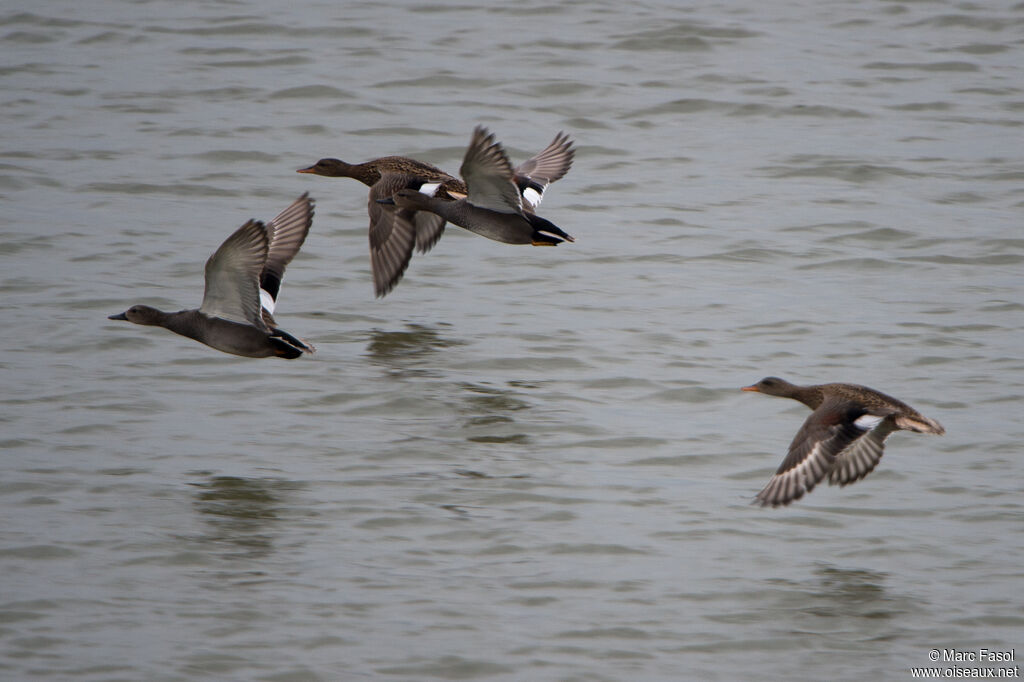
523,463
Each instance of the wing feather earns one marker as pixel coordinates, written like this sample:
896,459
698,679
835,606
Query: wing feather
488,175
233,275
429,228
535,174
826,433
392,236
862,456
288,231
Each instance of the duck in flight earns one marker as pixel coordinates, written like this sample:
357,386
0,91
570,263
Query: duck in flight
493,206
843,437
395,232
243,280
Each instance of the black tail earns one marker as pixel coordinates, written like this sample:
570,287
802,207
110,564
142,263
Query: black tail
288,346
542,225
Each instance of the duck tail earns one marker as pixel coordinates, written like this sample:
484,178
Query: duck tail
921,424
288,346
541,226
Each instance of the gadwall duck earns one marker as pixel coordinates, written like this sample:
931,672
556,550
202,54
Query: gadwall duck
243,280
493,206
843,437
393,238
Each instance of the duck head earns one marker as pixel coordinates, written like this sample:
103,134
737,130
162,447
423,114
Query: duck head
140,314
771,386
332,168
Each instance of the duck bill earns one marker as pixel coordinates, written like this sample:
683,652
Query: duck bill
755,389
119,316
306,170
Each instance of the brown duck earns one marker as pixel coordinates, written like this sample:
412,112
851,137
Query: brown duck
843,438
395,232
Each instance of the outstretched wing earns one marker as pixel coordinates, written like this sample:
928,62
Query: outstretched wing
827,432
288,231
488,175
534,175
233,275
863,455
392,234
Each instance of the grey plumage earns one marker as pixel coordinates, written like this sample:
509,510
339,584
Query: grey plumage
493,206
243,281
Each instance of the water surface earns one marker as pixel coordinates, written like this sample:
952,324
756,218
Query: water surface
523,463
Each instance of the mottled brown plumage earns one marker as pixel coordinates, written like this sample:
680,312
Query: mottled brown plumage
843,437
389,238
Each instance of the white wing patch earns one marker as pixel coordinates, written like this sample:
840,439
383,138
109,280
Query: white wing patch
861,457
430,188
533,197
267,301
867,422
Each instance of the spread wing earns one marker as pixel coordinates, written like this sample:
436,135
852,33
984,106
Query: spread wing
826,433
288,231
233,275
534,175
392,235
861,458
488,175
